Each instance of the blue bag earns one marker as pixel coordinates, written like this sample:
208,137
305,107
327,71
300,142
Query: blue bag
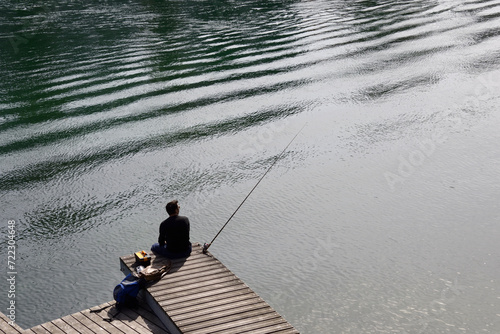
126,292
125,295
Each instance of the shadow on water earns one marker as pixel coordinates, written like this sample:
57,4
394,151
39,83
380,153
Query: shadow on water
54,50
45,171
209,32
50,138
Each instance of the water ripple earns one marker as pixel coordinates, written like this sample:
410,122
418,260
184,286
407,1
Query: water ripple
113,86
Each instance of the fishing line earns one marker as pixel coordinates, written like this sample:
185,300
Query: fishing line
206,246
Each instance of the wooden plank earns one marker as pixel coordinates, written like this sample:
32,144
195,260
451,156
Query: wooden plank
221,304
6,327
245,291
170,283
200,295
66,328
39,330
197,270
279,328
123,319
196,263
73,323
51,328
257,326
219,314
193,288
110,327
148,318
139,321
87,323
173,282
235,324
168,300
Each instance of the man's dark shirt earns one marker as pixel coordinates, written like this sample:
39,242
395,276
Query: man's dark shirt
174,231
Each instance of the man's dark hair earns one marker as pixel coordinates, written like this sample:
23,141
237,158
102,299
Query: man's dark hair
172,207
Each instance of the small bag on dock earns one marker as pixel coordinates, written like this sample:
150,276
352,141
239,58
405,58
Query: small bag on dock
154,274
125,294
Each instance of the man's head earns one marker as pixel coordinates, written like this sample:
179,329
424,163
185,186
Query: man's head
172,208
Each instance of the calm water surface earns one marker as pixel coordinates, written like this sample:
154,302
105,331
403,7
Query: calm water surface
382,216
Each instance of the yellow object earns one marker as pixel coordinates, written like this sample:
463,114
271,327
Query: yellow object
142,256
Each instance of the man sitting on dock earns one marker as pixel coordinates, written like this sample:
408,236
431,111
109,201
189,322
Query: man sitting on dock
173,241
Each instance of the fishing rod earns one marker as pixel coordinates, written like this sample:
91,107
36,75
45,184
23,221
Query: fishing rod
206,246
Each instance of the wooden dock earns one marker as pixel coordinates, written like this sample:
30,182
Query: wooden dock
200,295
140,320
6,328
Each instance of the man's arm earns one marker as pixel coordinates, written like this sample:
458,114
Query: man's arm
162,238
